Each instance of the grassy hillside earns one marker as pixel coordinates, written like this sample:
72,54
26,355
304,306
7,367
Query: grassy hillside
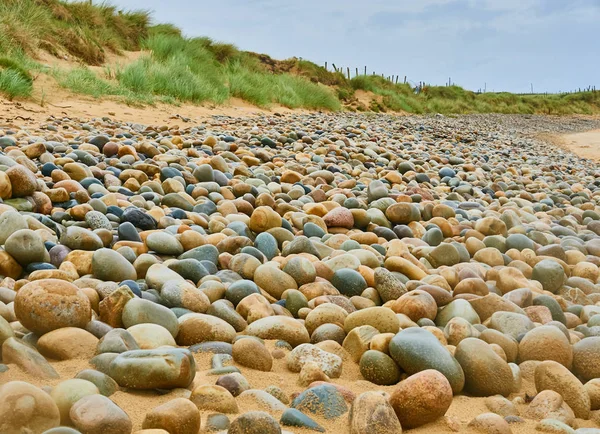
175,69
455,99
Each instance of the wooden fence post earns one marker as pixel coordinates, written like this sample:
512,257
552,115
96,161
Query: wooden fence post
325,66
348,71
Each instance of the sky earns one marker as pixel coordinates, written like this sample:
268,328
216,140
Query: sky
499,45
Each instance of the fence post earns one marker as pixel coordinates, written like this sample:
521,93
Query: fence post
325,66
357,72
365,70
334,68
348,71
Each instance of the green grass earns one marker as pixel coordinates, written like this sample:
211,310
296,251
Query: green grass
82,29
177,69
456,100
84,81
15,79
13,84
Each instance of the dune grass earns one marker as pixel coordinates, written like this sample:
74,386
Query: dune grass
15,78
13,84
455,99
81,29
197,70
177,69
84,81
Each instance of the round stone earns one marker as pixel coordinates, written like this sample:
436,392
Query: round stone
279,327
586,354
403,213
178,416
551,375
379,368
349,282
264,218
109,265
68,343
22,180
195,328
213,398
67,393
546,343
150,336
253,354
457,308
486,373
550,274
26,246
25,408
235,383
382,318
10,222
77,238
416,349
421,398
164,244
184,295
106,385
301,270
323,400
49,304
97,220
254,422
153,369
97,414
372,411
139,311
416,305
273,280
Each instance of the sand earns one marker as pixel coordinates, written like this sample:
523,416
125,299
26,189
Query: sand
137,403
586,145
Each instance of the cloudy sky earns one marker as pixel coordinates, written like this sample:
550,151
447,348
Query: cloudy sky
504,44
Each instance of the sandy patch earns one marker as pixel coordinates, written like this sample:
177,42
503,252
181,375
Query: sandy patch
586,145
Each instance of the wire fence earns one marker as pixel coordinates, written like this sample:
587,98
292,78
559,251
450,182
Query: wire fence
420,86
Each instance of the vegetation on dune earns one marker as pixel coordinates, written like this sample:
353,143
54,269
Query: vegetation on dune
176,69
198,70
84,30
455,99
15,79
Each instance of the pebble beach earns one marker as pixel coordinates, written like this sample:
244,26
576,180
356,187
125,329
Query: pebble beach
299,272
